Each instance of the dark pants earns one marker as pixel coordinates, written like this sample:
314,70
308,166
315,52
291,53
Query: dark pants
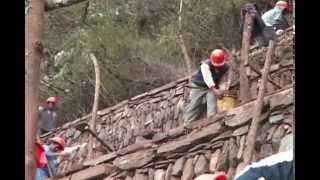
267,34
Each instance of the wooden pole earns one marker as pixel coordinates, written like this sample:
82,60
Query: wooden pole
181,42
244,81
251,138
95,102
33,53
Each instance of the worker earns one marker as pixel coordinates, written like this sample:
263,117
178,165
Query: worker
47,154
276,167
205,89
48,116
257,33
274,18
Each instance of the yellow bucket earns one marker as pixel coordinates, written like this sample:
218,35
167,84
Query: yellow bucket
227,102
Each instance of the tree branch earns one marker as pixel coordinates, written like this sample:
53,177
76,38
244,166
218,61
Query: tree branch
96,99
182,43
55,4
85,12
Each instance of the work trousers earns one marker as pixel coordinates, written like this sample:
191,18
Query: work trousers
201,99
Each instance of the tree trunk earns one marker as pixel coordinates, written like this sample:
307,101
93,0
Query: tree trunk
246,36
95,102
33,52
181,42
251,138
55,4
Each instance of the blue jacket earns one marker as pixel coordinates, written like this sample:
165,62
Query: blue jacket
273,17
275,167
216,76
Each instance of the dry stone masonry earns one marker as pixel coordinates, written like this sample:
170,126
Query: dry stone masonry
150,143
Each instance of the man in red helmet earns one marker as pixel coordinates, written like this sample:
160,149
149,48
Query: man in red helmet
205,86
274,18
48,116
51,151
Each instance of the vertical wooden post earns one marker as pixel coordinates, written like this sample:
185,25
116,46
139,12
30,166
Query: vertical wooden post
33,53
244,81
95,102
251,138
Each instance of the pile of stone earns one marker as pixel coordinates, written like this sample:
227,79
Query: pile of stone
208,145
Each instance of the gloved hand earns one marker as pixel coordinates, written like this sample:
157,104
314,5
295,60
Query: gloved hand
217,92
279,32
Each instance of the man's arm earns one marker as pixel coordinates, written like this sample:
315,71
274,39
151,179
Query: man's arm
206,73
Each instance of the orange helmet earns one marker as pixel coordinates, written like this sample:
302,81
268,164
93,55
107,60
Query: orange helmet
59,141
53,100
283,4
217,57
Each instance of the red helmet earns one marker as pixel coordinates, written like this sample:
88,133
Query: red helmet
58,140
283,4
53,100
217,57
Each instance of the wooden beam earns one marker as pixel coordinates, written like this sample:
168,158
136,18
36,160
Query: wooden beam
251,138
244,58
259,75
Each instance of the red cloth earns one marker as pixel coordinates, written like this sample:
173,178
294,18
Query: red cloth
41,159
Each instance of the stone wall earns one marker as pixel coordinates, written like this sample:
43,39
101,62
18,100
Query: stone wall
208,145
159,111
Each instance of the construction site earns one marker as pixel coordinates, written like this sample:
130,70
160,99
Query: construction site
145,138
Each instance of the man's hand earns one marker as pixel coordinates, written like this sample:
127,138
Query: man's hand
279,32
217,92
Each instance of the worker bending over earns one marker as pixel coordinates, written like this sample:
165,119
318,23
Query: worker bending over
205,89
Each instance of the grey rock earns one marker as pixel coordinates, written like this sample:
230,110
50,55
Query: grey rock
233,150
174,178
266,150
151,174
202,166
168,172
214,160
100,159
223,163
195,158
183,144
139,176
76,135
159,174
188,172
241,118
276,118
281,99
128,178
208,155
134,160
277,136
178,166
286,143
241,131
